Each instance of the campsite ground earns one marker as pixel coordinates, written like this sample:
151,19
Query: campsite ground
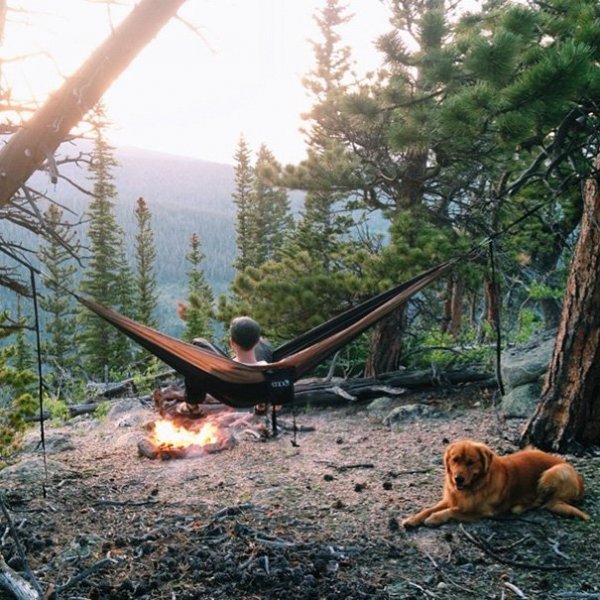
267,519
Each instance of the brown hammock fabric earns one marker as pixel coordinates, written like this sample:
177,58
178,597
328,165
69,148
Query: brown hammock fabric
242,385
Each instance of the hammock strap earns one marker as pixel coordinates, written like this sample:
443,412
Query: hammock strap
40,375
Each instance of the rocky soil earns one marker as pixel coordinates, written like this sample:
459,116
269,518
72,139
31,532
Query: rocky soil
315,519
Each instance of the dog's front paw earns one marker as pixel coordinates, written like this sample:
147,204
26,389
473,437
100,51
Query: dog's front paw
410,522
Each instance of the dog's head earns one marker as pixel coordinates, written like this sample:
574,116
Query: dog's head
467,463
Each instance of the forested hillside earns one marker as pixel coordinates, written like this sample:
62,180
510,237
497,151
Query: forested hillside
185,196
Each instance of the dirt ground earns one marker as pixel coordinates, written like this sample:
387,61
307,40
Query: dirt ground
270,519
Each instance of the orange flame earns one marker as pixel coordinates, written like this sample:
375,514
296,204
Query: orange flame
167,433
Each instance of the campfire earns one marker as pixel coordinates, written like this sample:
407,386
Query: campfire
173,437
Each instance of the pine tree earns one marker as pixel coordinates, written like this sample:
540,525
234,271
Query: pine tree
107,278
242,197
198,311
23,356
321,223
145,279
16,401
61,321
270,220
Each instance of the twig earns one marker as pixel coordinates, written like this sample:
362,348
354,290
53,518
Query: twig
124,502
515,589
355,466
507,561
229,511
85,573
420,587
554,544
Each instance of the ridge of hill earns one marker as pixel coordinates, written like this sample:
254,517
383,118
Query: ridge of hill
184,195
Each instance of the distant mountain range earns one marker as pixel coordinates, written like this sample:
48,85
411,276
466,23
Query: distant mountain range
184,195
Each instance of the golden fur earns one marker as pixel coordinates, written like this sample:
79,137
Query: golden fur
479,483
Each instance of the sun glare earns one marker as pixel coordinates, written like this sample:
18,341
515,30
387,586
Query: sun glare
188,94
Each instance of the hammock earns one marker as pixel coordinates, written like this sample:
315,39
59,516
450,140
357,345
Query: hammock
242,386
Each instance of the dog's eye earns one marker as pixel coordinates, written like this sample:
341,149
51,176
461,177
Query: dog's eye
469,462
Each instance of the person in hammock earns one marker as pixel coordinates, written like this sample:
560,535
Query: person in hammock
247,344
249,347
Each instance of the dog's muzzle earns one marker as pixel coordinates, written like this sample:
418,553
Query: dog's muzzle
459,482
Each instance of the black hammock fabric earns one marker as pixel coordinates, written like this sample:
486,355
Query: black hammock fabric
242,386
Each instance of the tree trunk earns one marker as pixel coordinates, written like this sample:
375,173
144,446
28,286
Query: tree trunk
447,318
50,125
567,417
386,344
453,306
456,304
492,297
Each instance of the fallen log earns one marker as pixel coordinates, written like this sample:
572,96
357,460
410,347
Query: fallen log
88,408
12,583
126,386
325,392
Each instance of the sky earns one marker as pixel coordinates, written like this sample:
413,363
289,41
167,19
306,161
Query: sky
187,94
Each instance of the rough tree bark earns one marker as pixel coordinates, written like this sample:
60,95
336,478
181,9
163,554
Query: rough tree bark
386,344
50,125
453,307
567,418
492,299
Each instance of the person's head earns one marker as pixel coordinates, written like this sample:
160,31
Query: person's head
244,332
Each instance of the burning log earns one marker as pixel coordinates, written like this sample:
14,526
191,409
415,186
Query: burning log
170,438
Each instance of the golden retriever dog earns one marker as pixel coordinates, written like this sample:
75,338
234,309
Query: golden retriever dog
479,483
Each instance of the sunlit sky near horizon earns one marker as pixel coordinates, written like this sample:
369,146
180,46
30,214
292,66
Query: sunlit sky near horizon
185,95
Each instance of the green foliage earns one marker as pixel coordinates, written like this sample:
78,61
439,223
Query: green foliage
198,311
58,409
107,278
102,410
494,60
540,290
61,324
144,380
434,348
16,400
145,277
242,198
269,217
290,296
528,324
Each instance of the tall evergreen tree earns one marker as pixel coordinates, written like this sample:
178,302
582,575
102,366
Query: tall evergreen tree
270,220
145,278
61,323
322,223
23,356
198,311
107,278
16,401
242,197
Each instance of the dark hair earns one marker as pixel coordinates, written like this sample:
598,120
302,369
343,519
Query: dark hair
245,332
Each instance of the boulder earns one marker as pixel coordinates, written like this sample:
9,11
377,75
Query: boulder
520,402
381,406
526,364
409,412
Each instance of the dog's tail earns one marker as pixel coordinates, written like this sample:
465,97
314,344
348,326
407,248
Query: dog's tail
558,487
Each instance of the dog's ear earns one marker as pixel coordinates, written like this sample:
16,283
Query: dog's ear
486,455
447,456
